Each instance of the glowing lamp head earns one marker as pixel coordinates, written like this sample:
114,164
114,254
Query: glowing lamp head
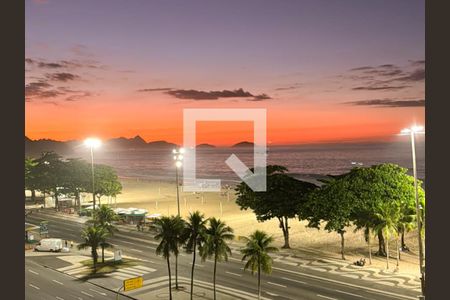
413,129
92,142
178,164
182,150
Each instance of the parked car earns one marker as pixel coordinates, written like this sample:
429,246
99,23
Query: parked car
52,245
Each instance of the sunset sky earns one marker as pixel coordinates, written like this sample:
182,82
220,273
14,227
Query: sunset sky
324,70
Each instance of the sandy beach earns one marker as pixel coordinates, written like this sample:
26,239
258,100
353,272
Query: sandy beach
160,197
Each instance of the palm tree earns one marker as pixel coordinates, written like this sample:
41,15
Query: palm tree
93,237
104,217
194,234
388,214
217,235
256,252
167,232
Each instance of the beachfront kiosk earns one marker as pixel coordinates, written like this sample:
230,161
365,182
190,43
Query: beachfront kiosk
132,215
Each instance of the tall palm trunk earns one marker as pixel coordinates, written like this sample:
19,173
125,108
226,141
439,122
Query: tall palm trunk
94,259
259,279
342,245
193,266
33,196
170,278
381,244
387,251
368,244
56,199
103,254
403,240
176,271
398,250
214,275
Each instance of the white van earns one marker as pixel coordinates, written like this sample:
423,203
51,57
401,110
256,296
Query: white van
52,245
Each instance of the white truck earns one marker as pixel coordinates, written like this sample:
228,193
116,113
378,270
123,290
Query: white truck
52,245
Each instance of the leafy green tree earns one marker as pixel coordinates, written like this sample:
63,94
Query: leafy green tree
256,251
195,236
106,182
284,199
49,176
93,237
371,188
30,177
76,179
167,232
331,204
216,244
105,217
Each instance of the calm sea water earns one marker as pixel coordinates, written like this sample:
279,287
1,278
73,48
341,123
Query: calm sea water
303,161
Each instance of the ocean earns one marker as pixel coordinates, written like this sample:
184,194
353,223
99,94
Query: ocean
303,161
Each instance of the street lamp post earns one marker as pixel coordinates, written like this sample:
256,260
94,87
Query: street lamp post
178,157
412,133
92,143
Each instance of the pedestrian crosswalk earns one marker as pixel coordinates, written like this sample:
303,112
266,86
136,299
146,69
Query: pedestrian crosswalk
78,270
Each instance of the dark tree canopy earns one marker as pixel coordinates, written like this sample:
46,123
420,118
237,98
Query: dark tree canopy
284,198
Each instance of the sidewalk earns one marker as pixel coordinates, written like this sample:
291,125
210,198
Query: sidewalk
304,258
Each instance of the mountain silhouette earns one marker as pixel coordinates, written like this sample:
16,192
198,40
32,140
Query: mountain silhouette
36,147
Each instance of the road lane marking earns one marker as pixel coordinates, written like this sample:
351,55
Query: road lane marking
272,294
365,288
84,293
351,294
293,280
33,286
273,283
100,293
231,273
125,242
58,282
59,298
235,259
34,272
136,250
325,297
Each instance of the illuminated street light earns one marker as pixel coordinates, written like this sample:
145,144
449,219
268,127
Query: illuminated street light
178,157
92,143
412,131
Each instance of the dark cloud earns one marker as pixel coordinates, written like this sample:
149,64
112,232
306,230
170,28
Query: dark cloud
385,77
260,97
388,103
78,96
155,90
417,63
62,76
387,66
40,89
363,68
214,95
379,88
417,75
67,64
287,88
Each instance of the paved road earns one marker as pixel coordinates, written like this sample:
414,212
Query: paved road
44,283
285,282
